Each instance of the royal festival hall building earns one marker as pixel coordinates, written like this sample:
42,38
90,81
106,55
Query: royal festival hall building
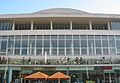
85,46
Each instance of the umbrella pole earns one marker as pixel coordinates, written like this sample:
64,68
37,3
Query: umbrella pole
58,80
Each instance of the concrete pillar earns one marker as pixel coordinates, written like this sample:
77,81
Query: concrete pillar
31,25
90,24
9,74
13,27
51,25
70,25
108,24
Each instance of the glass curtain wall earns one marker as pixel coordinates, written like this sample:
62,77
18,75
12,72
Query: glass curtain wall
37,26
22,26
115,25
60,45
6,25
80,26
99,26
61,26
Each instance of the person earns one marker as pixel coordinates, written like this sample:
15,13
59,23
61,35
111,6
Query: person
65,60
29,60
23,60
76,60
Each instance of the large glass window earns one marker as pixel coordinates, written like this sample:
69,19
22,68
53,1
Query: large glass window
41,27
83,51
80,26
54,43
112,51
83,43
24,52
3,45
76,43
54,51
76,51
22,26
111,41
61,43
105,43
38,51
68,43
61,26
17,43
99,27
17,51
46,43
118,46
62,51
31,43
6,25
105,51
98,43
68,51
39,43
98,51
115,25
24,43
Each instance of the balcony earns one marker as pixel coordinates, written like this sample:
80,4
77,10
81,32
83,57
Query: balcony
62,61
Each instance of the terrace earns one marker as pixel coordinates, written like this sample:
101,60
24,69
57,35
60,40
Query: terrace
61,61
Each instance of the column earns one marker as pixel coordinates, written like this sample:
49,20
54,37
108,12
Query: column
9,74
90,24
31,25
108,24
70,25
13,27
51,25
69,81
110,80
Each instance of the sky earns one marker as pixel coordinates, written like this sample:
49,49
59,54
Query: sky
30,6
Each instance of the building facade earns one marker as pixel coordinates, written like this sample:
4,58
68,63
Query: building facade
84,45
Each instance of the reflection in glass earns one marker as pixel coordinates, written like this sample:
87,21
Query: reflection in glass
83,43
38,43
54,51
54,43
46,43
68,43
76,51
68,51
38,51
3,46
24,52
17,51
105,51
84,51
98,51
61,51
76,43
61,43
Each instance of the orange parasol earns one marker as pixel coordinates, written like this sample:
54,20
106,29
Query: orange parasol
38,75
59,76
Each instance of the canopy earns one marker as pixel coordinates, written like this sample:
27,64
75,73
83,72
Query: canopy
38,75
58,76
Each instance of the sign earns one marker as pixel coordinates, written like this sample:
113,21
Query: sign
107,67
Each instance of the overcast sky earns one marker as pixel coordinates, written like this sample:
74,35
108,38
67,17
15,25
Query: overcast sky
29,6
